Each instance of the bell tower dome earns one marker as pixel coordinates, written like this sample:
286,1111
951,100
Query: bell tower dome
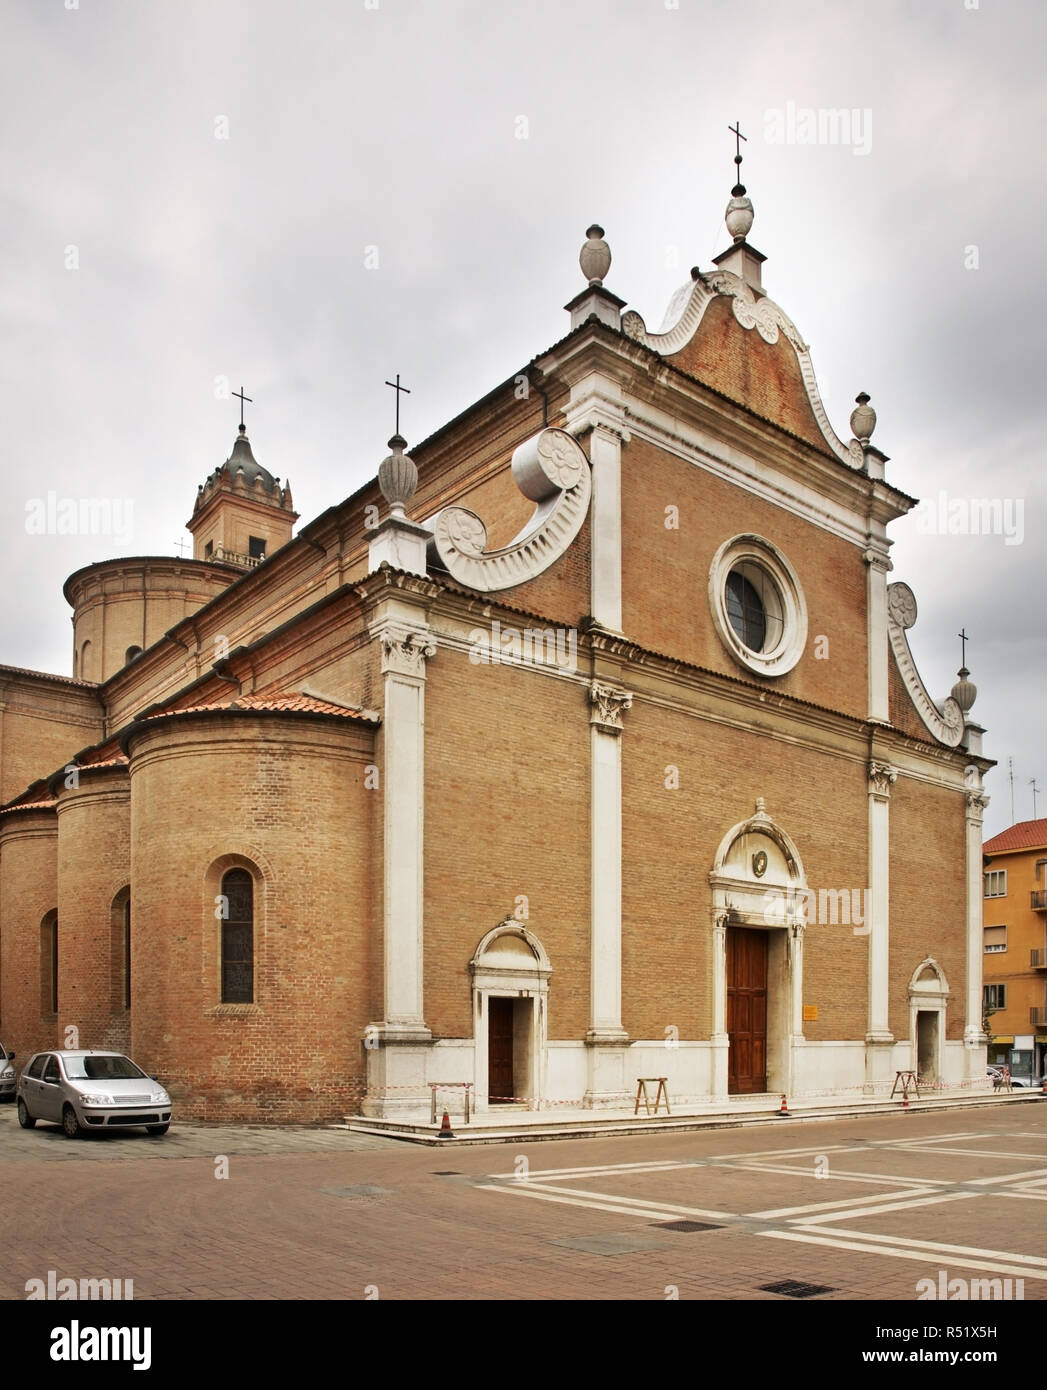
242,514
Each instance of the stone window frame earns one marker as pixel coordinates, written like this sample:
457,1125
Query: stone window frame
756,552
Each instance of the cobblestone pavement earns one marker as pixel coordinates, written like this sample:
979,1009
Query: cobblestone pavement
845,1209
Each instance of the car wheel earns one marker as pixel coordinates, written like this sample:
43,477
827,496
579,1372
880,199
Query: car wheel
157,1129
70,1124
24,1118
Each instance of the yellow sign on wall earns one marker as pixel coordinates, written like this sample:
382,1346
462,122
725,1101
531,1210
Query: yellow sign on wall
810,1013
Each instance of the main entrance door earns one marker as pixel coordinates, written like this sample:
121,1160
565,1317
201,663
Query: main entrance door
499,1050
746,1011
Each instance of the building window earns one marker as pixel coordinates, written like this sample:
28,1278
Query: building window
132,654
209,550
757,605
256,547
996,883
49,964
995,939
994,997
238,937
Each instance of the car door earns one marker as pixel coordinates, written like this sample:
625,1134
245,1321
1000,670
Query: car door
31,1084
51,1090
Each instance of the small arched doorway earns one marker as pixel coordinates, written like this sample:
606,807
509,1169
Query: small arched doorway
510,971
928,1003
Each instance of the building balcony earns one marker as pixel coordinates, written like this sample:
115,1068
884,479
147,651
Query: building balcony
1038,958
234,557
1038,1017
1038,899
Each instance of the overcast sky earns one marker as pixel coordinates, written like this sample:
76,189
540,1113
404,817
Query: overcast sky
198,191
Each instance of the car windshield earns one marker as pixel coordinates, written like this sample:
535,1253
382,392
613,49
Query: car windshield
101,1069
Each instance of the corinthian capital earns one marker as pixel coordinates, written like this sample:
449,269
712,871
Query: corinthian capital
976,804
609,704
881,777
405,652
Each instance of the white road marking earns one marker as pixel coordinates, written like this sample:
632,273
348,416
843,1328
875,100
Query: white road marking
899,1254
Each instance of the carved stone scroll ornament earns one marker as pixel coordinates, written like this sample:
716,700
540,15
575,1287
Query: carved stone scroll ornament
405,652
946,721
553,471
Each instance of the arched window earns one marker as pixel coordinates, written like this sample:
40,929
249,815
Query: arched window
131,654
238,937
120,950
49,964
86,662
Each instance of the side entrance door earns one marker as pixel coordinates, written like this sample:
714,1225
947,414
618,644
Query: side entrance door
746,1011
499,1050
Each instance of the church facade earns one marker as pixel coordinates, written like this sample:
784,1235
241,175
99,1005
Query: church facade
583,744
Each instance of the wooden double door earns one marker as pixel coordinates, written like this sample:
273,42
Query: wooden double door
746,1011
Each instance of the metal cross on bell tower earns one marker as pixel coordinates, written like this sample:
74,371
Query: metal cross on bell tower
241,397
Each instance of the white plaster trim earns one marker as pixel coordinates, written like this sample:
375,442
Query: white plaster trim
553,471
763,314
944,722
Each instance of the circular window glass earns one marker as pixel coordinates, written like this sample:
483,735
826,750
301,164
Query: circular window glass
758,606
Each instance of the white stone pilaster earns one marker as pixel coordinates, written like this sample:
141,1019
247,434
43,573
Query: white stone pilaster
605,456
878,567
973,1032
719,1039
404,654
881,778
606,1036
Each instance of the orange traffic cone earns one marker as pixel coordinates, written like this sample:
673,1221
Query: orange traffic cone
783,1112
446,1132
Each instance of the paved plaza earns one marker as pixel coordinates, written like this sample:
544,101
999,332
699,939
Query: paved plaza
848,1209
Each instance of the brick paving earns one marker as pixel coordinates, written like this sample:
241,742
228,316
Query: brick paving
324,1214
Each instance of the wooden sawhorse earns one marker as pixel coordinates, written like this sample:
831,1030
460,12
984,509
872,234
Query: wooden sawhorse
659,1095
905,1079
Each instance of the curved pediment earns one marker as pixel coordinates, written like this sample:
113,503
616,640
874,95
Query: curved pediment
552,470
680,334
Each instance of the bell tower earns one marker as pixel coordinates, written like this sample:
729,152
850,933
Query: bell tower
242,513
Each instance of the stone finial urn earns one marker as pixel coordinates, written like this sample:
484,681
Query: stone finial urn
863,420
595,256
397,476
964,692
739,217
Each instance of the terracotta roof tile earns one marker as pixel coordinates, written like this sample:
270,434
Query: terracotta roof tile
1026,834
274,703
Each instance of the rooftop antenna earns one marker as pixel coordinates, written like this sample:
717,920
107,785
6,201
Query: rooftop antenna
1010,774
1032,783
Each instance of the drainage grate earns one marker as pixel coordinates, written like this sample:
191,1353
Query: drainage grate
792,1288
687,1226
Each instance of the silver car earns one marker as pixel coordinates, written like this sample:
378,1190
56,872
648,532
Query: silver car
7,1074
90,1090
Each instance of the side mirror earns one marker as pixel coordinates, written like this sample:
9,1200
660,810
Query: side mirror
10,1056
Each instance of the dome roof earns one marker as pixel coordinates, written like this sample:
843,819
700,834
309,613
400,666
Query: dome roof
242,457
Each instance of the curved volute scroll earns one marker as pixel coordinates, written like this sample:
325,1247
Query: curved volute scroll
553,471
945,721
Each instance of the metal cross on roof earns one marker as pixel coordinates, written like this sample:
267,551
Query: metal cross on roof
240,395
398,388
736,130
962,635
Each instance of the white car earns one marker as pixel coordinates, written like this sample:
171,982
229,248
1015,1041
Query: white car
90,1090
7,1074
